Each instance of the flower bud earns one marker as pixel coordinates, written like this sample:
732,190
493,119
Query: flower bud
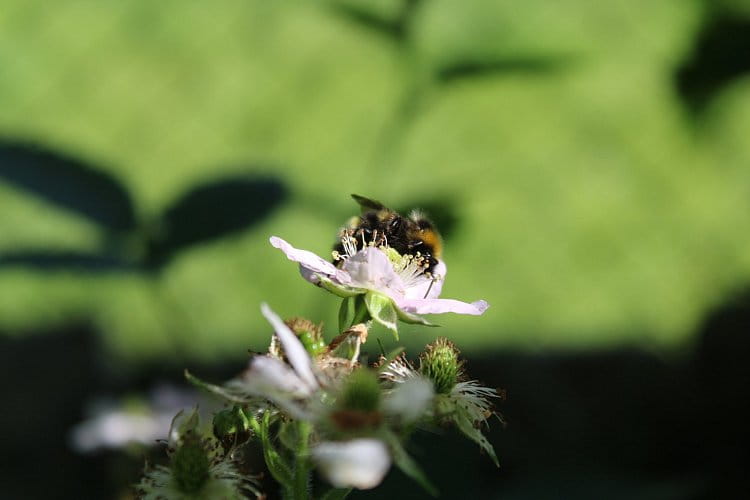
361,391
359,402
231,427
441,365
310,334
190,465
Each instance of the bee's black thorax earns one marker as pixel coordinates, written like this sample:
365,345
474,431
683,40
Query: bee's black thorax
406,236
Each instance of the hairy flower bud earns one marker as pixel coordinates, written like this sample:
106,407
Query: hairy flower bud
441,365
359,402
361,391
190,465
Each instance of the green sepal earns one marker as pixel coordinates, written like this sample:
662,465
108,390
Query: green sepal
466,426
381,310
407,464
336,289
412,319
346,312
214,389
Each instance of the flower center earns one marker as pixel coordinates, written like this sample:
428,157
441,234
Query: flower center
411,269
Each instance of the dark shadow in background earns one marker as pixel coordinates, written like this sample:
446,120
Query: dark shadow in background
481,68
68,182
207,212
395,27
584,425
211,211
720,55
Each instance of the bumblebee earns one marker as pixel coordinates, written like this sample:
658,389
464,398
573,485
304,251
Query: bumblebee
377,225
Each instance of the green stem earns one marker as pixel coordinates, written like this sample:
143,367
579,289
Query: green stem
279,470
302,463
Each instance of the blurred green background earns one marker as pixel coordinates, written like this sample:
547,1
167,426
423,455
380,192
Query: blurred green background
588,161
592,204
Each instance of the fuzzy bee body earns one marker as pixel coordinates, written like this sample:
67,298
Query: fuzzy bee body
378,225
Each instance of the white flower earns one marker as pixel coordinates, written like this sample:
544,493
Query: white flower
290,386
358,463
393,285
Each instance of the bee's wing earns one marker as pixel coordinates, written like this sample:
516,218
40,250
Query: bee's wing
367,203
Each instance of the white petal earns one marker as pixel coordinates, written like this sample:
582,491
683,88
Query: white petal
359,463
272,379
410,399
371,269
439,306
293,348
305,258
270,375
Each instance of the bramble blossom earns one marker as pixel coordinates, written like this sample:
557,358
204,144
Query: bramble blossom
393,286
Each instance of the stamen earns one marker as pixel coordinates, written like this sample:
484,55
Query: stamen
432,282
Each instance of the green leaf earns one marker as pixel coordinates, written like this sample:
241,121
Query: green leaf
407,464
336,494
466,426
381,309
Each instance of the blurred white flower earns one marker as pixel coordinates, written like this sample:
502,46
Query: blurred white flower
410,399
116,424
358,463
